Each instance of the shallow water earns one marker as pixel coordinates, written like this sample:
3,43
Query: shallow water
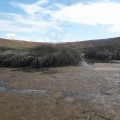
92,61
25,91
3,89
60,94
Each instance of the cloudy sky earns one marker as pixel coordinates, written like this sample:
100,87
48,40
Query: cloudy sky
59,20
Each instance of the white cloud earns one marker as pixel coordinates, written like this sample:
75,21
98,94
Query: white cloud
10,35
33,38
44,16
32,8
70,38
31,21
93,13
114,28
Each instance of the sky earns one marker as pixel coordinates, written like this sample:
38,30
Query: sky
59,20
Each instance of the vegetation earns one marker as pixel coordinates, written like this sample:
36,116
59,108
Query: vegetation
22,54
41,56
104,52
16,43
2,49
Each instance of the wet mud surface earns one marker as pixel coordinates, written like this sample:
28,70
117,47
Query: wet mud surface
90,92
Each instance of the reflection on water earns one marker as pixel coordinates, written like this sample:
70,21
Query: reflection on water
77,95
92,61
3,89
25,91
49,93
85,62
80,96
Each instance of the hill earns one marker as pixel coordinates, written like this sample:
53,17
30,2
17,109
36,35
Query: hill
79,44
16,43
89,43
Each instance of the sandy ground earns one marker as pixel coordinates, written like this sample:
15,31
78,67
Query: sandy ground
90,92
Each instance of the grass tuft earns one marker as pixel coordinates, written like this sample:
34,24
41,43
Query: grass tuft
41,56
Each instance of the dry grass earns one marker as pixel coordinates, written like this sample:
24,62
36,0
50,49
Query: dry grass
36,107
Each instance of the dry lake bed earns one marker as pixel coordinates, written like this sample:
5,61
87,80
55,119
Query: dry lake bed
90,92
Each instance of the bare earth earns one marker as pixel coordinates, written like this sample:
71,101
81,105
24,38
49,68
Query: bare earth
89,92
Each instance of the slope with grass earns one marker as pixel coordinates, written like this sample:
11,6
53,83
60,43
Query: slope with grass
16,43
88,43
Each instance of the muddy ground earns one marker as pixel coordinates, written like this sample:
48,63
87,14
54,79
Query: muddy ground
90,92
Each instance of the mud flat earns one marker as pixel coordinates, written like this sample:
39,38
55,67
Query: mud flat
90,92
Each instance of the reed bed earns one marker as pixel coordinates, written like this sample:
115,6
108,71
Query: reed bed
38,57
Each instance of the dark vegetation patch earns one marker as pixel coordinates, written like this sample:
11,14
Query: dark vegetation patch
2,49
104,52
39,57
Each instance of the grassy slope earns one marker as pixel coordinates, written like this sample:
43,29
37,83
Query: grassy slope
89,43
16,43
82,44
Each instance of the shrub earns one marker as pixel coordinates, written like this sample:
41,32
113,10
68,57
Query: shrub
42,56
104,52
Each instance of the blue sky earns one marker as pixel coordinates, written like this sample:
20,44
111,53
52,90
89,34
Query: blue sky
59,20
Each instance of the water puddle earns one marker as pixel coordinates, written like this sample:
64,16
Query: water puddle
29,91
25,91
80,96
93,61
76,95
3,89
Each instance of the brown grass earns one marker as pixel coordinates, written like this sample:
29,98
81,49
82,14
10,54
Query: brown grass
74,79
